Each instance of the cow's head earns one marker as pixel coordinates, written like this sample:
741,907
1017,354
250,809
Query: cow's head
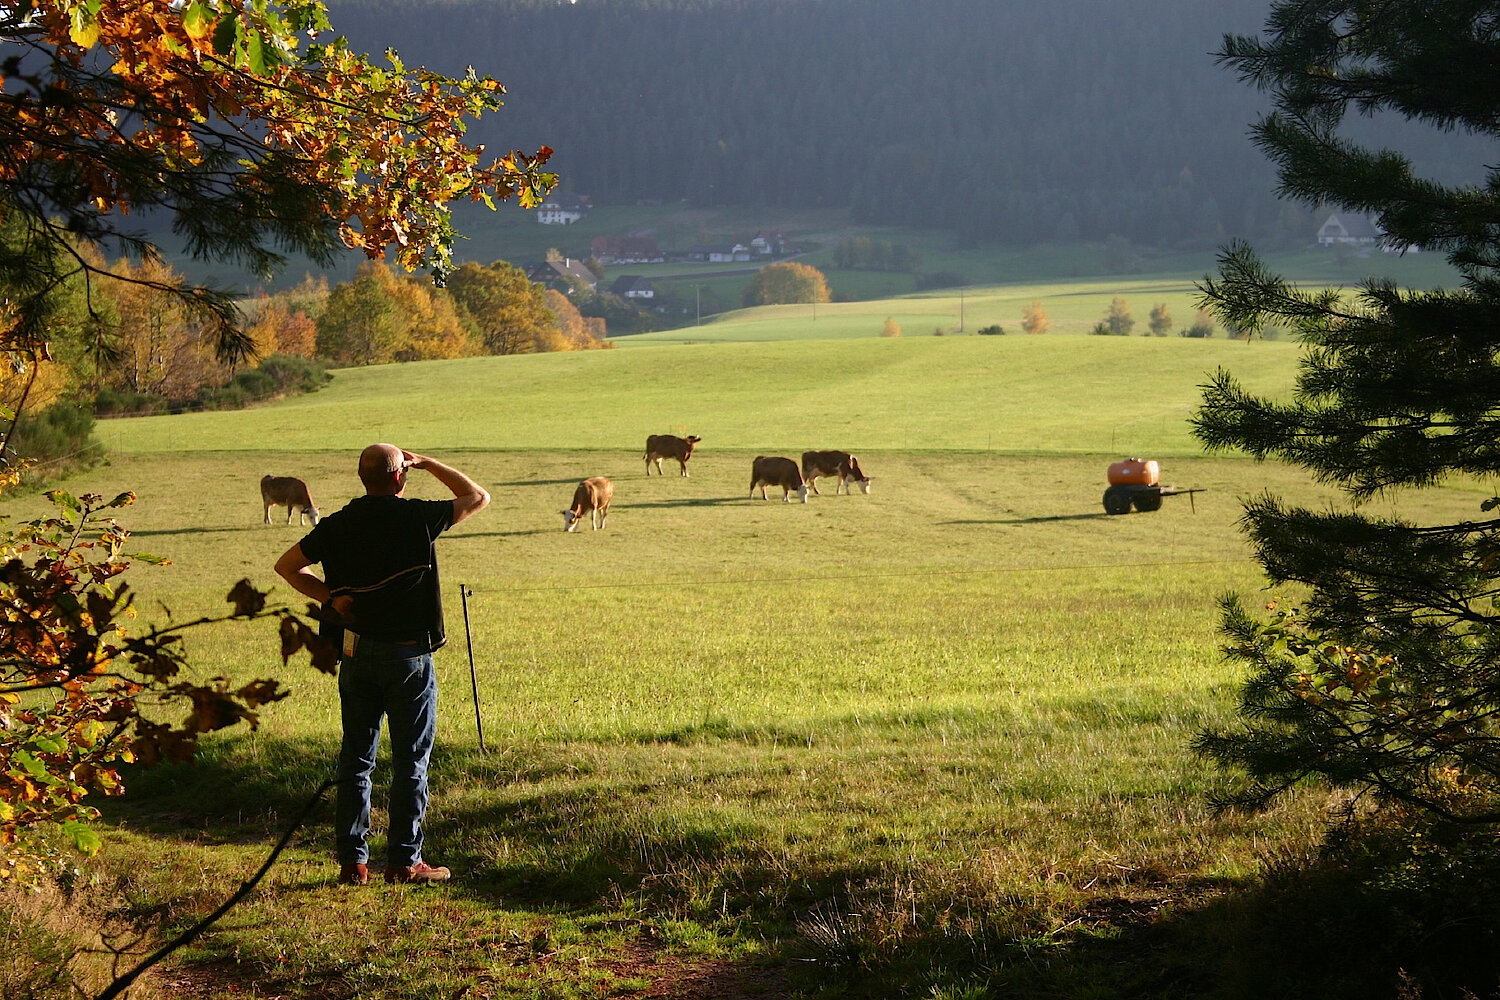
571,519
312,515
864,483
802,493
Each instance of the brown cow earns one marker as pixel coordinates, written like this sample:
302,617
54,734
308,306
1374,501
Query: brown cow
660,446
288,492
777,472
592,497
834,463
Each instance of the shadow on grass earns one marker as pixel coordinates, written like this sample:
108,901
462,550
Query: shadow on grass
541,482
220,531
1395,912
688,502
1032,520
1397,909
238,790
509,534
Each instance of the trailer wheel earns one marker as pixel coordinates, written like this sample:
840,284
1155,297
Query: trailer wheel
1147,500
1117,500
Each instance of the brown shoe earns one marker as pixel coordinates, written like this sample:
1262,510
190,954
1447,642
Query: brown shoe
421,872
358,874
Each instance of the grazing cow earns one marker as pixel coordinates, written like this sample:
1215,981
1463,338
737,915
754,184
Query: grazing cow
834,463
592,498
777,472
288,492
660,446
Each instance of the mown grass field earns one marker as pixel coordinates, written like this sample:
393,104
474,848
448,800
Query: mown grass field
929,742
1020,395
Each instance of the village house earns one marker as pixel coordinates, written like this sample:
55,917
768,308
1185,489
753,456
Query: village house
1348,229
767,244
563,209
561,274
632,286
719,254
627,250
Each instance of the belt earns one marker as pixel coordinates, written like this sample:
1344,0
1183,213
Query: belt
391,649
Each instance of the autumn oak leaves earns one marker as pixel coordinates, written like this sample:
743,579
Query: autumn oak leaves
255,131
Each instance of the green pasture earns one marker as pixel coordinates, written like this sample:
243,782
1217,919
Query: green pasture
1073,307
1014,395
926,742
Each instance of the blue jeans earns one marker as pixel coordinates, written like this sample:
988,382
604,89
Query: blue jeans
379,680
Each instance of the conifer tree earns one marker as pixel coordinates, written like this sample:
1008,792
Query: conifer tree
1384,673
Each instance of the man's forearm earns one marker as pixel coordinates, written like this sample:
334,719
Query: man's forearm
468,496
294,568
457,482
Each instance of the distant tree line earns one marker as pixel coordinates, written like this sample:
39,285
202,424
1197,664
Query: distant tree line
1118,322
1070,120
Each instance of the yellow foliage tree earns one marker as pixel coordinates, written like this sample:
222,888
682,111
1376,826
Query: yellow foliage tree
581,333
1034,319
278,328
508,312
785,282
161,347
433,327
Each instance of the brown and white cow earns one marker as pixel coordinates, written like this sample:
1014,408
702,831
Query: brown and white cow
660,446
834,463
777,472
592,497
288,492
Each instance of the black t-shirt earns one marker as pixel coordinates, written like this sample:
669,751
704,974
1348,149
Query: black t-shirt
379,550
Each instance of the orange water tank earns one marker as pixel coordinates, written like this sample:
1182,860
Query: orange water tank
1134,472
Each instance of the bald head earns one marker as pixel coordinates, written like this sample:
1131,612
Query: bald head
380,467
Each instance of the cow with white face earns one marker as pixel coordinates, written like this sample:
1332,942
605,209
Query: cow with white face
834,463
592,497
781,472
291,493
660,446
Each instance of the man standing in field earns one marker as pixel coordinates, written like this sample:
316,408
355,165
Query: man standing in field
381,576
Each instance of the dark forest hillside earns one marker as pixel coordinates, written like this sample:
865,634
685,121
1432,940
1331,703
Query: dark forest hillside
1003,120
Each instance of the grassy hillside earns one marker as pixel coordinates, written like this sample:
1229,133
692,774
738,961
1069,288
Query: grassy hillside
1003,394
1074,307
